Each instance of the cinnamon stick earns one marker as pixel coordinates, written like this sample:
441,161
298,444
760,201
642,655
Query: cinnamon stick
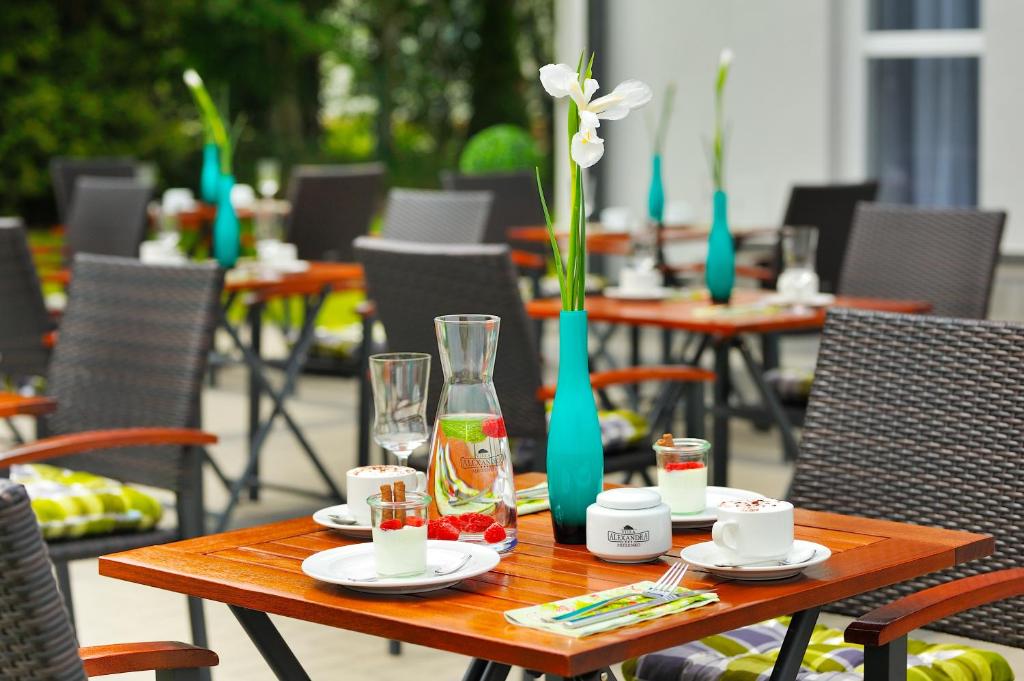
400,497
386,496
666,440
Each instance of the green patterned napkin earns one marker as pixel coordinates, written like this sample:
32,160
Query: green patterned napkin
532,504
537,616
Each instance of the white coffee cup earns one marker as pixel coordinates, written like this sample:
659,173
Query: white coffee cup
274,252
639,280
364,482
755,529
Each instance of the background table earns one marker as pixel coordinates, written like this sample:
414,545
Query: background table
13,404
257,571
609,242
712,326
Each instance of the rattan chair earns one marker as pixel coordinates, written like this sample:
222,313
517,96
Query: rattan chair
516,203
26,322
920,420
945,257
412,284
64,173
126,373
436,217
108,217
37,640
331,206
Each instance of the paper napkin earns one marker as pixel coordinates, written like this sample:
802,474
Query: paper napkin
536,616
533,504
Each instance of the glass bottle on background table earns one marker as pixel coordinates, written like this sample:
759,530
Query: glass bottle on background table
470,476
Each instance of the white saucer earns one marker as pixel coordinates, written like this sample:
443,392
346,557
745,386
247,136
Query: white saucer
341,564
707,517
659,293
322,517
706,554
816,300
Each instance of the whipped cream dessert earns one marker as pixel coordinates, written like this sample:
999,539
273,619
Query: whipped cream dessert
683,486
400,550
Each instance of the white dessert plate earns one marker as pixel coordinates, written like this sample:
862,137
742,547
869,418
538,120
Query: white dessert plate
707,517
323,517
803,555
617,292
816,300
347,565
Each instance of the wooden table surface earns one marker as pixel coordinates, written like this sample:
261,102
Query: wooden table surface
337,275
609,242
697,316
259,569
13,404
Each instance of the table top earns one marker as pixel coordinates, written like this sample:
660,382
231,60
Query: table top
614,242
13,404
203,213
337,275
259,569
697,314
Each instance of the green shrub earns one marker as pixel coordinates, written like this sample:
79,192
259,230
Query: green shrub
499,149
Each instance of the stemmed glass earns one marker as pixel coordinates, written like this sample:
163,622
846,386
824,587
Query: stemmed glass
399,381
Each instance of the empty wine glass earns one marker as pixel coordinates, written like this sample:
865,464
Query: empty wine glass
399,381
798,281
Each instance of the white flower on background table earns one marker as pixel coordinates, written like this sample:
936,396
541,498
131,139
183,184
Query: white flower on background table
560,80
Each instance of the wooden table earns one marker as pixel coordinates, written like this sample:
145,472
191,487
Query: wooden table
723,333
312,286
608,242
257,571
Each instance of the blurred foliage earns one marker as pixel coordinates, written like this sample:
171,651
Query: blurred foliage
405,81
498,149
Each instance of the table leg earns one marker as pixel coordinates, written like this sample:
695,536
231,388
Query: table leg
795,645
771,401
365,397
272,646
605,674
886,663
255,320
634,360
720,414
485,670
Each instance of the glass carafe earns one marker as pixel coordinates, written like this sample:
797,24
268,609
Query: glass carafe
470,474
798,281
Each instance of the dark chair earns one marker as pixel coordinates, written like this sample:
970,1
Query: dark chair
412,284
945,257
64,174
37,640
108,217
516,202
126,373
920,419
331,206
26,322
830,208
436,217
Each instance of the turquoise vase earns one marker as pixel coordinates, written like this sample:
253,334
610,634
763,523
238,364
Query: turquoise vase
720,269
209,180
575,461
656,192
226,236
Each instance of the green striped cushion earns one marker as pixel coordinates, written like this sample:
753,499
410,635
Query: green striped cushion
71,504
748,654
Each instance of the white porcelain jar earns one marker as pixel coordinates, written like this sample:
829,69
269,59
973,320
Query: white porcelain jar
629,525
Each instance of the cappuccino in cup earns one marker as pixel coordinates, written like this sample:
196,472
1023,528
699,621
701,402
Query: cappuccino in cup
753,529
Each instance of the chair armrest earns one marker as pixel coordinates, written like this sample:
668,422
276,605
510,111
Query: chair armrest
894,620
527,260
629,375
77,443
122,658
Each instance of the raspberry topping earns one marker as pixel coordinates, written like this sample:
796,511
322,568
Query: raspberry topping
472,522
494,534
683,465
414,521
494,427
393,524
442,529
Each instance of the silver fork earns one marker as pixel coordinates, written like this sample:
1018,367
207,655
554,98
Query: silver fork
665,586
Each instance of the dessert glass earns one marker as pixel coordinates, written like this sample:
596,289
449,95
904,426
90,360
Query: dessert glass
683,474
399,534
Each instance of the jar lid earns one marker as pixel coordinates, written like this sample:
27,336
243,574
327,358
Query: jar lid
628,498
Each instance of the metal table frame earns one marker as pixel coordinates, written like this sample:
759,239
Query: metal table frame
286,667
